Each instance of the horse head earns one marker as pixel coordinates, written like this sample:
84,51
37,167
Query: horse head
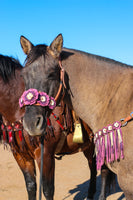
42,81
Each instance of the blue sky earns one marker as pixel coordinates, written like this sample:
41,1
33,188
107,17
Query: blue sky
102,27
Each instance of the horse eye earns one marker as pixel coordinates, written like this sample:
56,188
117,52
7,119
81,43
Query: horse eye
51,76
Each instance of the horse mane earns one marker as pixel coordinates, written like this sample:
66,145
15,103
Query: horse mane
102,58
39,50
109,60
8,65
66,52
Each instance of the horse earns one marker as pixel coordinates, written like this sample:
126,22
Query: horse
99,89
26,149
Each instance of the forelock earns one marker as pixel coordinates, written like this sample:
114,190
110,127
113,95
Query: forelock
35,53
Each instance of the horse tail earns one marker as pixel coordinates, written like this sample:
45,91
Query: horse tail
108,181
111,181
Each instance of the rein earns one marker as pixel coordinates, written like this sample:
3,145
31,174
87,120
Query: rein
127,119
41,167
57,120
62,80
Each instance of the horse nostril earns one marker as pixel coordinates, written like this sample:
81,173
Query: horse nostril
39,122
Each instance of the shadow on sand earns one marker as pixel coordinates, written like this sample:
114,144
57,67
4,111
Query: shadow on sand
82,189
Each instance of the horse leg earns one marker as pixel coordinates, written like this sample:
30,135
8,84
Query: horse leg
93,172
27,166
125,180
104,174
107,179
48,173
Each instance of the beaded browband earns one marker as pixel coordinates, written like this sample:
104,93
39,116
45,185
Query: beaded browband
33,97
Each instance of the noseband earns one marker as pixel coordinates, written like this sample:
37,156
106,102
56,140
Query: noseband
34,97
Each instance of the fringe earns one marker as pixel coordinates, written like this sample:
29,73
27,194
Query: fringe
109,144
8,132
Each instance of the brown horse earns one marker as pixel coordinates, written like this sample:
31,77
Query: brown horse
97,88
26,150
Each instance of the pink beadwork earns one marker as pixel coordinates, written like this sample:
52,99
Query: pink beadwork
44,99
29,97
33,97
52,103
109,144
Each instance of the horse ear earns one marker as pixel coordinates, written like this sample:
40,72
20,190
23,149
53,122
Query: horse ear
26,45
56,46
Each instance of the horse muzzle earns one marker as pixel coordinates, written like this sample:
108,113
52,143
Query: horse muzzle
35,126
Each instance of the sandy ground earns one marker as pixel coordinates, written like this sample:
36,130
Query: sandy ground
71,179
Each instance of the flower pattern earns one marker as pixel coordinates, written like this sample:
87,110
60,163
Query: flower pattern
29,97
52,103
43,99
32,96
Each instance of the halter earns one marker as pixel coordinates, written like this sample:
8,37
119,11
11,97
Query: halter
38,98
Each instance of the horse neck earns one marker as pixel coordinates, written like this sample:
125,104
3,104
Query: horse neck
97,88
9,97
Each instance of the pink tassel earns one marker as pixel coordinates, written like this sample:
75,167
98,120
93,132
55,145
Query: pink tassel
100,147
119,140
112,146
103,149
115,145
117,148
98,155
109,147
107,156
106,143
121,145
111,143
